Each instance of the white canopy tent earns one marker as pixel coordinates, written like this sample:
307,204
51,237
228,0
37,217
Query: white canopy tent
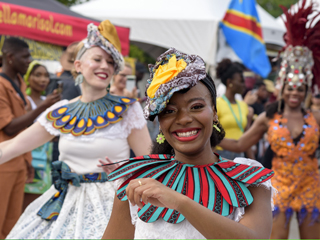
189,26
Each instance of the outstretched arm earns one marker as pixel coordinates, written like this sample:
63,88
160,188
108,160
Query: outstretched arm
256,223
249,138
24,121
29,139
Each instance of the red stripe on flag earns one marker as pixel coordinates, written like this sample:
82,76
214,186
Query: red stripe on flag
251,25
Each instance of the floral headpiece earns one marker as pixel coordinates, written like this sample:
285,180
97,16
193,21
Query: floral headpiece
301,57
172,72
105,36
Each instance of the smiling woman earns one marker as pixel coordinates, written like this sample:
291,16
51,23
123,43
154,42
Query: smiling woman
293,132
90,127
184,190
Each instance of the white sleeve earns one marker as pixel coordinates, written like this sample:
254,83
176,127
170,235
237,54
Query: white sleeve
133,119
239,212
42,119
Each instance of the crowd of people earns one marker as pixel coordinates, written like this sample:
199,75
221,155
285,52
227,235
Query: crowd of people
76,149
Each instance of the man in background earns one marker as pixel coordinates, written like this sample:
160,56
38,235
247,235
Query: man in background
14,119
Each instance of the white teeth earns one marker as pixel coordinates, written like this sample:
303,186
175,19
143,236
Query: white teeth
102,75
187,134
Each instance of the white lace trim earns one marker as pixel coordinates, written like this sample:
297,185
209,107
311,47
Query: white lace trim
132,119
84,215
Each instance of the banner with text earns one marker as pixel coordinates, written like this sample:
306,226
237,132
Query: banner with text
48,26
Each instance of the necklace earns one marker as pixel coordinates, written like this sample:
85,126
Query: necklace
239,122
81,118
219,186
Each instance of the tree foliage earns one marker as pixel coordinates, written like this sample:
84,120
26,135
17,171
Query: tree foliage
273,6
69,3
140,55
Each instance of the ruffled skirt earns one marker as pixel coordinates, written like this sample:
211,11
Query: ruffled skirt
84,215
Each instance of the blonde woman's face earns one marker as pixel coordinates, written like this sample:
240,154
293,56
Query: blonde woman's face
97,67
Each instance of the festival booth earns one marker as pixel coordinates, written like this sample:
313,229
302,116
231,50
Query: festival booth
188,25
48,27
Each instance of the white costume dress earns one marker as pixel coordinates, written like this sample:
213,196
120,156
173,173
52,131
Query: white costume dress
161,229
86,209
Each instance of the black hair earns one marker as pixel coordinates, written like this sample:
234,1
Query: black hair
13,45
273,108
258,84
226,69
216,136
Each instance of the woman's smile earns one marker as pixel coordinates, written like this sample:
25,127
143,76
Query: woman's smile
102,75
186,134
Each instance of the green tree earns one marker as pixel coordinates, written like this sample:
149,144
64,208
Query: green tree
272,6
69,3
140,55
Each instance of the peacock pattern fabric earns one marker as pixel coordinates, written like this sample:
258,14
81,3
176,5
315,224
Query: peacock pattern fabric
85,118
296,169
184,229
87,206
219,186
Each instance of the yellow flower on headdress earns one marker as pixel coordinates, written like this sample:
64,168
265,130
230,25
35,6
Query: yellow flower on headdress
165,73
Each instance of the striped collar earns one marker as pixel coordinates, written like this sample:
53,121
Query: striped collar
219,186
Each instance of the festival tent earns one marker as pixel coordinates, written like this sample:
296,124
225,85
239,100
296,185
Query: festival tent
47,26
188,25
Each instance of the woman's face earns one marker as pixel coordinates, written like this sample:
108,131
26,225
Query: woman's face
120,80
97,67
39,79
187,120
237,82
293,97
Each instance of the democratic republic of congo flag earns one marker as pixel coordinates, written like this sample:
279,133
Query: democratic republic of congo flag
242,29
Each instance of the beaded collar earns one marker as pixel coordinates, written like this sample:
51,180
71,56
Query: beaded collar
219,186
79,118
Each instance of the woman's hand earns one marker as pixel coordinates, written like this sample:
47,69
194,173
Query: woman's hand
149,190
108,169
51,99
250,98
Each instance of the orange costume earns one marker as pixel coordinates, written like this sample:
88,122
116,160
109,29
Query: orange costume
296,169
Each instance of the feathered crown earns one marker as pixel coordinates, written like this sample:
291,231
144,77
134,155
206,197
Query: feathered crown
301,55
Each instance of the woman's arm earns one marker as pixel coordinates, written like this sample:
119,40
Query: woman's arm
256,223
249,138
140,141
119,226
249,152
31,138
316,115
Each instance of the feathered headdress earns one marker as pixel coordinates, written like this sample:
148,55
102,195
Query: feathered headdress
301,55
